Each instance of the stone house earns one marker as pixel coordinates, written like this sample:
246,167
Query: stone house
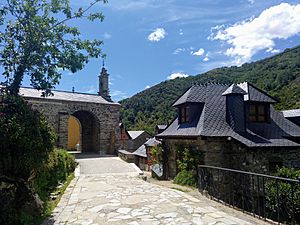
130,141
143,157
232,126
85,122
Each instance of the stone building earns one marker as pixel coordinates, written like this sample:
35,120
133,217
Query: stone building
86,122
234,127
130,141
143,155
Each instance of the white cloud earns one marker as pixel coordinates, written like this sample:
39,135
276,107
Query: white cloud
175,75
148,86
157,35
199,52
249,37
272,50
181,32
178,51
206,59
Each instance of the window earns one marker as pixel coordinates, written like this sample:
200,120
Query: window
184,114
257,113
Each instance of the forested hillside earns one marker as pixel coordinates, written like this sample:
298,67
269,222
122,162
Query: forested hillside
278,75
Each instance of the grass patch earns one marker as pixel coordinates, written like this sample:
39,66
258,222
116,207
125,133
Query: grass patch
51,204
186,178
180,189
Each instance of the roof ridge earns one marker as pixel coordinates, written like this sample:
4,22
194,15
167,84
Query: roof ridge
71,92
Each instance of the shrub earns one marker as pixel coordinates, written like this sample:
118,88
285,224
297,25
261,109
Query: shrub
188,158
186,178
288,204
25,137
59,165
157,154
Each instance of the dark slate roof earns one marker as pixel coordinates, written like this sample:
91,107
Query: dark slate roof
291,113
195,94
212,121
65,96
234,89
254,94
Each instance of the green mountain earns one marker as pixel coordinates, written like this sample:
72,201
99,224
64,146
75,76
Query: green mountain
278,75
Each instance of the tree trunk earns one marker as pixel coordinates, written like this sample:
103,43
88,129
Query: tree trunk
14,88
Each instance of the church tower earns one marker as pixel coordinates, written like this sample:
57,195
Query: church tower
103,84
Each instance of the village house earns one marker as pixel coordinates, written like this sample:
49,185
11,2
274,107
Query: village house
143,155
232,126
130,141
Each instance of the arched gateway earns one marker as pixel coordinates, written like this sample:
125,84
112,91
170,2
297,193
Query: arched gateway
87,122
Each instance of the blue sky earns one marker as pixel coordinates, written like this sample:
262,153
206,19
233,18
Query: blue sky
149,41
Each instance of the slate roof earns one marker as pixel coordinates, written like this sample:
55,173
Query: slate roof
291,113
141,151
212,121
254,94
65,96
161,126
135,133
234,89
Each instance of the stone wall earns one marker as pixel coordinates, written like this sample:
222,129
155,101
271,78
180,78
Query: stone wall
226,153
99,122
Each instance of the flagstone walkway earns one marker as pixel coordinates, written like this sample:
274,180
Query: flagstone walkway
119,196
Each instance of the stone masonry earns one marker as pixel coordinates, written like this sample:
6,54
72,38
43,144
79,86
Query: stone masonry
226,153
99,122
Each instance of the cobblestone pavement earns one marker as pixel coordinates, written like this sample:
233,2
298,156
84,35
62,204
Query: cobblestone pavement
123,198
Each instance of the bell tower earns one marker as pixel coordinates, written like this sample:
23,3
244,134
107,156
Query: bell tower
103,84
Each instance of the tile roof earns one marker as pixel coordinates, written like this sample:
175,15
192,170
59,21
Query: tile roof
212,121
65,96
291,113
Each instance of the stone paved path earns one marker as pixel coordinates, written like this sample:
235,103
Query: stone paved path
118,196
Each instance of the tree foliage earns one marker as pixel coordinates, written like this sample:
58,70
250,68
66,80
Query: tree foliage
26,138
36,40
278,75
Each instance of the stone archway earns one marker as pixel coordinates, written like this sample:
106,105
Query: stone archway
89,132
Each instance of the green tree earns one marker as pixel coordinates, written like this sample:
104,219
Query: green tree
36,40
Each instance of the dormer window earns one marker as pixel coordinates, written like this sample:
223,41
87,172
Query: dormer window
258,113
184,114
